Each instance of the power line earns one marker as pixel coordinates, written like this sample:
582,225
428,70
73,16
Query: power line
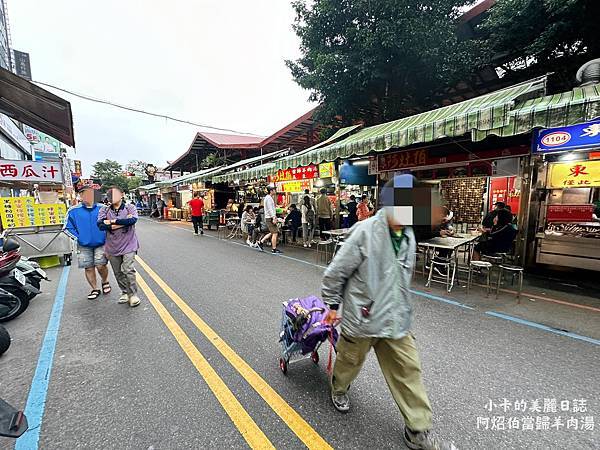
141,111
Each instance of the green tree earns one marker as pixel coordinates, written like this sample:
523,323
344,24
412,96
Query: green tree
133,183
526,38
212,160
111,174
377,59
137,167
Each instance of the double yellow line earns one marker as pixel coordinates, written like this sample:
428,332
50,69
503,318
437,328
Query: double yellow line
253,435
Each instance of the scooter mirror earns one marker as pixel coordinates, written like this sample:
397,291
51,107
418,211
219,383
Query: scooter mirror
13,423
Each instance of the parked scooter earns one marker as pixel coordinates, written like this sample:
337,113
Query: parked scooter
15,288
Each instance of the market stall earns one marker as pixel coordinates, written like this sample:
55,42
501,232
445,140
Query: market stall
470,183
35,219
568,227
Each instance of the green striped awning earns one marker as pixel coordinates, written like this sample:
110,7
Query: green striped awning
483,113
567,108
296,159
253,173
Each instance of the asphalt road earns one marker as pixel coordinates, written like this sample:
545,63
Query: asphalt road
201,371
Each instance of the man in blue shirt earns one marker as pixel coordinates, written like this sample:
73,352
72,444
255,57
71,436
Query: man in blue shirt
82,225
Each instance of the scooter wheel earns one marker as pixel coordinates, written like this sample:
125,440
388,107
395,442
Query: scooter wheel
19,305
4,340
283,365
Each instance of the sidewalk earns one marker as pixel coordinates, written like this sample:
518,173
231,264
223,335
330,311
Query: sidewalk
561,305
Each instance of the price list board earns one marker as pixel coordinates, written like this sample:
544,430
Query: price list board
20,212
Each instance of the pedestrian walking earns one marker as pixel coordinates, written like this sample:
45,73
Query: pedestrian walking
82,226
308,221
362,210
271,221
118,220
370,275
352,206
197,208
324,212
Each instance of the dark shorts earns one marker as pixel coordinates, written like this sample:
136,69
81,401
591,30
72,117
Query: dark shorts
272,227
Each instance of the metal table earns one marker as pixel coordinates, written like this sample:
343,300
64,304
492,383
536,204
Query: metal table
336,236
449,243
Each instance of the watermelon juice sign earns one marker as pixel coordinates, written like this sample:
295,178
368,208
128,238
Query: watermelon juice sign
574,137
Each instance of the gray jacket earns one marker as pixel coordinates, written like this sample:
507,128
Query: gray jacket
366,272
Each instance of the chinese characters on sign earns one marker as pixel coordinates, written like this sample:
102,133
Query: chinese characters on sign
326,170
31,171
18,212
402,160
575,174
299,173
536,415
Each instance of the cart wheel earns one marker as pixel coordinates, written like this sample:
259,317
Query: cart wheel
283,365
315,357
67,259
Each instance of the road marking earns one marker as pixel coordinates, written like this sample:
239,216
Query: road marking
36,401
441,299
292,419
236,412
543,327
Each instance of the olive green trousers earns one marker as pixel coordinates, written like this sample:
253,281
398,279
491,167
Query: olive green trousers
401,367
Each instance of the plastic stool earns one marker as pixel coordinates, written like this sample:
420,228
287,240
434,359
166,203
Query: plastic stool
323,248
482,265
515,271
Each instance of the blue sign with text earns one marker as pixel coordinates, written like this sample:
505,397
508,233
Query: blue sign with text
580,136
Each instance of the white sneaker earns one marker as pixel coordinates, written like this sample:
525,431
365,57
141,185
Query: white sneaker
124,298
305,245
248,242
134,300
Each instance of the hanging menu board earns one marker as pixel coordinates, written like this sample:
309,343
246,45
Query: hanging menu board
19,212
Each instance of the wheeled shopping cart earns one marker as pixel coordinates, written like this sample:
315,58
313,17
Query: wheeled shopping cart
303,330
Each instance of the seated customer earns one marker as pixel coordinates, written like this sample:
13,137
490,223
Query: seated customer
294,221
445,229
499,239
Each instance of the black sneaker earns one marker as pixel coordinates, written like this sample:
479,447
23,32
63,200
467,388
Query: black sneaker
202,232
260,246
276,251
422,440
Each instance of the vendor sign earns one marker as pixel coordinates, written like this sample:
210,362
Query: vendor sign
580,136
19,212
574,174
326,170
299,173
293,186
35,172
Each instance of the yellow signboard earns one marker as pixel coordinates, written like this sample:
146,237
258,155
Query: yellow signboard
294,186
19,212
326,170
575,174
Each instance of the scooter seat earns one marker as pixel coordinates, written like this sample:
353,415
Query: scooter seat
10,245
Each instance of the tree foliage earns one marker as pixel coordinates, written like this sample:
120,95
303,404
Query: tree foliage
373,59
111,174
534,37
212,160
137,167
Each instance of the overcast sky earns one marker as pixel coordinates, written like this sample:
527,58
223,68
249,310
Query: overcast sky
215,62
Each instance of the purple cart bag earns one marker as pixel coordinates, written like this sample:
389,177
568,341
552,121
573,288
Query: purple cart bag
307,316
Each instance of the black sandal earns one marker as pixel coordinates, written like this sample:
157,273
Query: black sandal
106,289
94,294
